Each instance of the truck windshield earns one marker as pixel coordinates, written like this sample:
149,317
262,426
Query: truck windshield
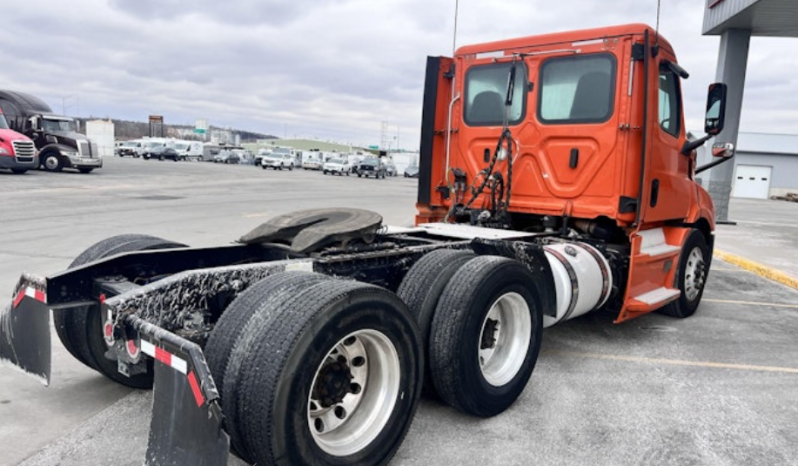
3,122
577,89
486,89
51,126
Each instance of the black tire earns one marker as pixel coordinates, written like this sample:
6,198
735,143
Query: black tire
85,170
458,335
421,290
692,269
19,171
263,167
291,167
294,340
79,328
52,162
359,175
231,332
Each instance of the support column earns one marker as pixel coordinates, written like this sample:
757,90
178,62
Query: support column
732,63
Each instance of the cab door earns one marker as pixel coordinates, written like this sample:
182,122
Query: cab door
667,187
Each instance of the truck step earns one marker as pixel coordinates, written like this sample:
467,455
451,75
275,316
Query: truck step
661,295
654,243
649,301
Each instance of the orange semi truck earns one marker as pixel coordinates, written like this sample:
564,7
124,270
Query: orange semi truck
555,179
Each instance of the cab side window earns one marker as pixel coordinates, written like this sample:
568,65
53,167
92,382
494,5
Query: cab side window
669,105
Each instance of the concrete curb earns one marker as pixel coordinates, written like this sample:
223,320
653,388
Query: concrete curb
759,269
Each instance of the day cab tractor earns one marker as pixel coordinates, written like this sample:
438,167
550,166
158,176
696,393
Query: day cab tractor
17,152
555,179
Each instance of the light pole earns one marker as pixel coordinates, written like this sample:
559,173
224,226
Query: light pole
63,102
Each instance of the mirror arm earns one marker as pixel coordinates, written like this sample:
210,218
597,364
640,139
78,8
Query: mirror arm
711,164
690,146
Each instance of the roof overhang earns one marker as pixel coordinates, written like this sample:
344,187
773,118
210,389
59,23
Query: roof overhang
771,18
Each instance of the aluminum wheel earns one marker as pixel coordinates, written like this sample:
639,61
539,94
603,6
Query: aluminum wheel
694,274
52,163
504,339
354,392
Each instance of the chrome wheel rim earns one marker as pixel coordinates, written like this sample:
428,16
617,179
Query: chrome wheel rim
694,274
504,339
354,392
51,163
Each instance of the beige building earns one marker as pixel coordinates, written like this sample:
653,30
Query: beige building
303,145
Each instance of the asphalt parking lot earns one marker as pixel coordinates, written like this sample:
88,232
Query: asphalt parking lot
716,389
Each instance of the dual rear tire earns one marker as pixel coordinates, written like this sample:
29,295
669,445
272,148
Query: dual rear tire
482,327
314,370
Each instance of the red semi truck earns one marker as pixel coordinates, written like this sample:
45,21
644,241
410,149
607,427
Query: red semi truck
556,179
17,151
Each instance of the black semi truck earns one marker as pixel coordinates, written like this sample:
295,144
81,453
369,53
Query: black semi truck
59,144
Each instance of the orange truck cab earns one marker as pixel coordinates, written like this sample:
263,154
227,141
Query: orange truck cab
17,152
580,135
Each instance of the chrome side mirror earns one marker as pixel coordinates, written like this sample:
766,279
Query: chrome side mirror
723,149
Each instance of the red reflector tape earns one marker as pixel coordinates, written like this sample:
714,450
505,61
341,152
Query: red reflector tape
18,298
163,356
30,292
192,381
160,354
36,294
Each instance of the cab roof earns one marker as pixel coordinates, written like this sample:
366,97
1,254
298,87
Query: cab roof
568,37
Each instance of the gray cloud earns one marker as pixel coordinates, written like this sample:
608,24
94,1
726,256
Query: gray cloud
333,69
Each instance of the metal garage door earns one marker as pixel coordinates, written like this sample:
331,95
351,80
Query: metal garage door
752,181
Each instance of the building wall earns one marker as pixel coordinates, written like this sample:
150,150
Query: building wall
101,132
783,179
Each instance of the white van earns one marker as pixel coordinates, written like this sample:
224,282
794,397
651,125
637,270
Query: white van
188,150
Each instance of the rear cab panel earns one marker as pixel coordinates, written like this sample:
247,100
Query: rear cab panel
577,128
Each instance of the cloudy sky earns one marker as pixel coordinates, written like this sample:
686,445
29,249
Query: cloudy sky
326,69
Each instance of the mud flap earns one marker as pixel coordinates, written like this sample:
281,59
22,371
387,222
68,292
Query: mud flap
186,426
25,329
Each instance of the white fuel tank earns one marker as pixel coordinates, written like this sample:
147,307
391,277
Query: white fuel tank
582,278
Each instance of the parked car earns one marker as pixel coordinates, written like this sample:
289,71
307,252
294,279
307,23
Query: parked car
130,149
227,156
411,171
163,153
337,166
277,161
259,157
390,168
371,166
149,147
311,164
